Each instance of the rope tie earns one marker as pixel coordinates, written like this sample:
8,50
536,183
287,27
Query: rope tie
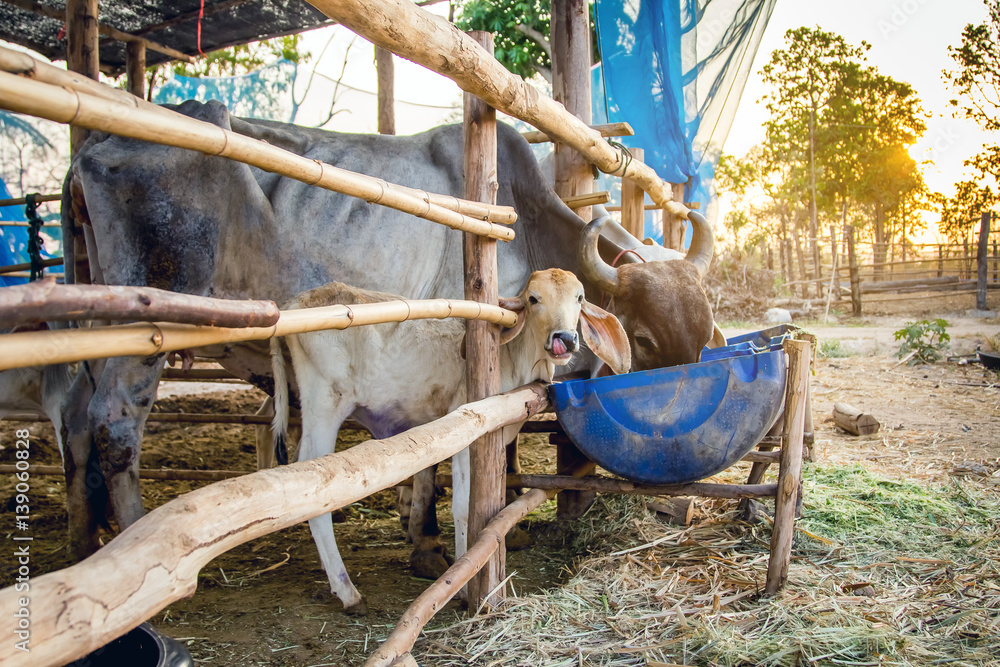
34,236
624,159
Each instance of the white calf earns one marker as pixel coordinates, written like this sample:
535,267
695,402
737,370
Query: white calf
38,390
394,376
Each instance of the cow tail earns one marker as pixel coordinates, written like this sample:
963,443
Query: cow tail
279,425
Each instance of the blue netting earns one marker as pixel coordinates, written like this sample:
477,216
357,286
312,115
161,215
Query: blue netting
14,240
675,70
264,94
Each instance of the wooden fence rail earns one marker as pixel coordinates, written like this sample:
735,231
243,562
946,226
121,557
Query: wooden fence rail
156,560
38,348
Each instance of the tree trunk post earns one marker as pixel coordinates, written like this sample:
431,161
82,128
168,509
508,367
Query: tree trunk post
673,225
571,60
385,72
982,260
135,67
835,272
82,57
770,257
852,260
790,468
996,262
940,271
633,203
488,461
800,256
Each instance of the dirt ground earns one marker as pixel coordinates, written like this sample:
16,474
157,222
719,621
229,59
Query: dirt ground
262,603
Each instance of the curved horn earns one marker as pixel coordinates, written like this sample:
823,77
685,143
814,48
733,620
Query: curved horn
595,269
702,242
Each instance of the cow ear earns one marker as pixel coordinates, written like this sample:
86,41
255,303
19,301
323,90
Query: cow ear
604,335
508,334
461,349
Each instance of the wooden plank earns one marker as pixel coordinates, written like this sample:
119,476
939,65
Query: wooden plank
156,560
607,130
790,468
482,340
853,420
579,201
633,199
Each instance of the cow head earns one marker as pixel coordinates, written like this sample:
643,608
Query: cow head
662,304
549,309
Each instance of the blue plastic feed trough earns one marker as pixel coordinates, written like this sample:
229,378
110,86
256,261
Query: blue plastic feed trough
680,424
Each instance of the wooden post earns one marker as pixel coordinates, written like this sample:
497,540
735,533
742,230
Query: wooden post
81,56
835,274
386,74
852,261
571,60
673,225
782,253
482,341
135,67
996,263
800,256
633,203
770,258
940,271
570,29
790,469
982,260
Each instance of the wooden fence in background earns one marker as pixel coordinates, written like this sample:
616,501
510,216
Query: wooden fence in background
852,269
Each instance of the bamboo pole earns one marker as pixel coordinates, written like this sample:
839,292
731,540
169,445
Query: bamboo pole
170,128
482,340
35,348
158,474
608,130
21,64
428,40
21,201
156,560
790,468
45,301
14,268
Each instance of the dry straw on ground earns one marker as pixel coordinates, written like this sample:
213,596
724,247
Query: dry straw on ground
884,572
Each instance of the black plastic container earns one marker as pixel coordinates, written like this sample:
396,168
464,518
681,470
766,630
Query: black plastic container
142,647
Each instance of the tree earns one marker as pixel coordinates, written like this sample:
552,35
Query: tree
977,77
520,32
803,77
960,214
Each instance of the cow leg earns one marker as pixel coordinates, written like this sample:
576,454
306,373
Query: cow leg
86,492
117,416
404,504
430,558
320,425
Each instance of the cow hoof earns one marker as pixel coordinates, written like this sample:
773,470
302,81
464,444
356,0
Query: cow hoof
359,608
432,563
518,539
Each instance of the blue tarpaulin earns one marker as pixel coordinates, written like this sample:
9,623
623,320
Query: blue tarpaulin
675,71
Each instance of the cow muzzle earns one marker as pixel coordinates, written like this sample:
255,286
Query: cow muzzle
562,344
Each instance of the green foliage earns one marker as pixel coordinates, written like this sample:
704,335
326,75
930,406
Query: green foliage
244,58
521,30
832,349
926,338
977,77
961,214
515,50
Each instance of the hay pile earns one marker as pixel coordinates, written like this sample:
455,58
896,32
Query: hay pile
883,573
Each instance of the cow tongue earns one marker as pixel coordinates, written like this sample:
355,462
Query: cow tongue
558,347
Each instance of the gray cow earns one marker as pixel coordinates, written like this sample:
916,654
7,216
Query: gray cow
182,221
